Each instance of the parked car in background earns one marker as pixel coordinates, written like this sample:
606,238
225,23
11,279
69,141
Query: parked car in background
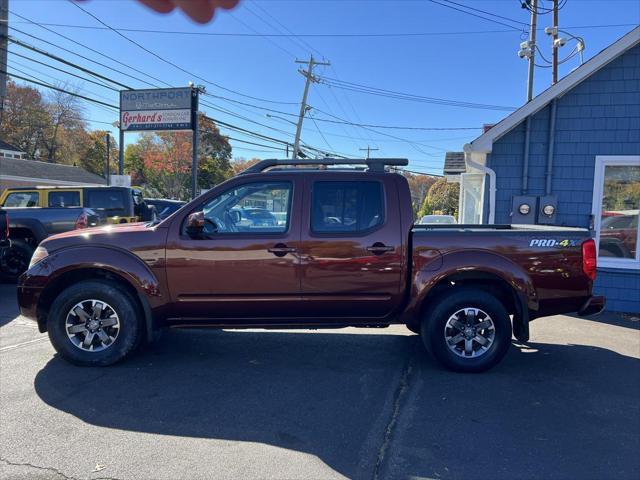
112,204
4,232
250,217
619,235
164,207
463,288
29,226
437,219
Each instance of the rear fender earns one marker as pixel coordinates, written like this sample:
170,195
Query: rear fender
470,262
34,227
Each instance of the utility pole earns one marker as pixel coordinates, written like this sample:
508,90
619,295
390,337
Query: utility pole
4,44
555,43
369,150
308,74
108,166
533,6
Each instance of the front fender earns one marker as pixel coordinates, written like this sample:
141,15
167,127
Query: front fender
112,259
52,270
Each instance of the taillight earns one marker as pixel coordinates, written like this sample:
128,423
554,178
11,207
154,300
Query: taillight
589,259
82,221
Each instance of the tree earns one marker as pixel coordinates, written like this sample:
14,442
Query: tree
442,199
94,153
167,164
214,155
419,185
25,119
162,161
134,158
239,165
65,113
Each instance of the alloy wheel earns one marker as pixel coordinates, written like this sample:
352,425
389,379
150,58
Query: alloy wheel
469,332
92,325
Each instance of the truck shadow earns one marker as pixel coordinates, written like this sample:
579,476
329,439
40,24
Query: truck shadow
332,395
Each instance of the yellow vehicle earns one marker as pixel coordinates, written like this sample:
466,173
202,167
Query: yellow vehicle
113,204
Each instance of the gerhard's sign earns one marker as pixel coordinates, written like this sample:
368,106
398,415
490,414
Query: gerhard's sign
157,109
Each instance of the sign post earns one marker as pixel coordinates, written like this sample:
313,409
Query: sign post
160,109
195,144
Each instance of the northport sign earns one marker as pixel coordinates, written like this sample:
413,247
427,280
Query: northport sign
161,109
158,109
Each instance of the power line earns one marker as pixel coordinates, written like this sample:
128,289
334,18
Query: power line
356,87
57,58
66,62
82,56
169,62
52,87
305,35
486,13
63,71
476,15
41,25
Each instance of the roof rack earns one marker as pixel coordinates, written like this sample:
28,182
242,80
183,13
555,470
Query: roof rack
374,164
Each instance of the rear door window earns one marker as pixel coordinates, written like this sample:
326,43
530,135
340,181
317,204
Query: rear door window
22,199
347,207
109,200
64,198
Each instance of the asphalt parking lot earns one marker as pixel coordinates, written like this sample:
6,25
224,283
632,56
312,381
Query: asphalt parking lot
349,403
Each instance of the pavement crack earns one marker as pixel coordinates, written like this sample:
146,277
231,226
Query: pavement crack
399,395
50,469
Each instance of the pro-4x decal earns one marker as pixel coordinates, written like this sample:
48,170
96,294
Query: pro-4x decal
554,242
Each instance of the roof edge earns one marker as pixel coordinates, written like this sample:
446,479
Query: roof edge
484,143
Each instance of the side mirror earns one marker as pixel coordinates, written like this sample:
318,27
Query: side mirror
195,224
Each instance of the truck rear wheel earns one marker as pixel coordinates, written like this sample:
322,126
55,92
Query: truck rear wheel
469,330
94,323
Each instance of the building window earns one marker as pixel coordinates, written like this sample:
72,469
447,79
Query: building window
616,210
471,201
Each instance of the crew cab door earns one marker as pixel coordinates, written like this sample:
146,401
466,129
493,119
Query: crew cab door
245,267
352,246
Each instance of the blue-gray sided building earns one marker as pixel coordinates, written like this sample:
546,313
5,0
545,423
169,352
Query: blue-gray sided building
571,157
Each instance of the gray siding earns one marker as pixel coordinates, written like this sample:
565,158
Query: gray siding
599,116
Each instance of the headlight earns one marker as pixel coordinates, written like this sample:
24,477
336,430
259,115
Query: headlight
38,255
524,209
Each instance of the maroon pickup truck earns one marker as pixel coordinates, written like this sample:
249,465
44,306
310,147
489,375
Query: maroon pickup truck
323,247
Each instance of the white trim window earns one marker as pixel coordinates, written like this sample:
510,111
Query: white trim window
616,211
471,202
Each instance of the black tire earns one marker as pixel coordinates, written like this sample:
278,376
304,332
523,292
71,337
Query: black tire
435,341
15,259
123,304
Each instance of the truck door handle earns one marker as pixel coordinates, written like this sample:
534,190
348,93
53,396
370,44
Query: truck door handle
379,248
280,250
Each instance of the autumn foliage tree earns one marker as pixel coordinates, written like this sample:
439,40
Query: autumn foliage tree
442,199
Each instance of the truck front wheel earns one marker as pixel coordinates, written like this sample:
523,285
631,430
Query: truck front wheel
468,330
94,323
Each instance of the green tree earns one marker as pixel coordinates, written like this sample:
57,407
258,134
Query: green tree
442,199
214,155
25,119
94,153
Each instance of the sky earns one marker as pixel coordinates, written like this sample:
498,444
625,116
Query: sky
442,53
